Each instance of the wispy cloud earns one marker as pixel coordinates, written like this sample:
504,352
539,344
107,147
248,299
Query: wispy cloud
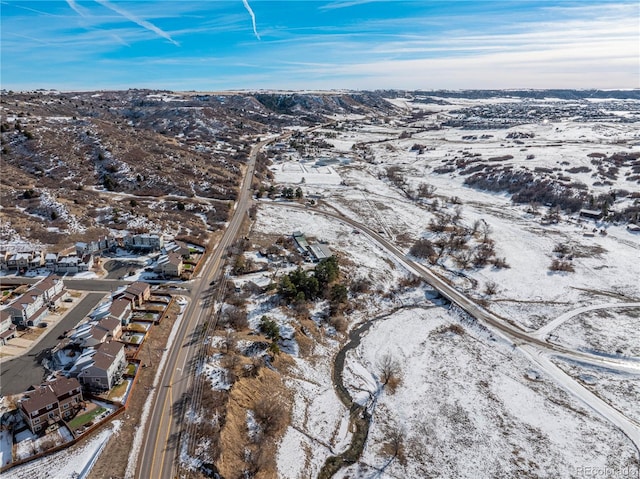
139,21
253,18
345,4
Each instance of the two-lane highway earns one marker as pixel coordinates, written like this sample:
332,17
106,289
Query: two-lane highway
160,448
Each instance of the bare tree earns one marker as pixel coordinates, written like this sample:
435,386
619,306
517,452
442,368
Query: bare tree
230,340
389,370
271,414
393,445
425,190
490,288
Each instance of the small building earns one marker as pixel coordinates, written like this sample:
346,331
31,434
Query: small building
301,241
591,214
319,251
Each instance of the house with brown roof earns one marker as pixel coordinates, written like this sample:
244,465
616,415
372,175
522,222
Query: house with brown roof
105,368
120,309
50,402
137,293
69,394
112,326
52,289
29,309
170,264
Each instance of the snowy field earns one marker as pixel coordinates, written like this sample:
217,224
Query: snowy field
305,173
75,461
607,330
528,293
466,407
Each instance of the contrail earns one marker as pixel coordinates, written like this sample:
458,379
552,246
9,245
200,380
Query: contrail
253,18
76,7
143,23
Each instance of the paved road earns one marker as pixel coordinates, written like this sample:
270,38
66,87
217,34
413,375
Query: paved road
17,374
82,284
159,457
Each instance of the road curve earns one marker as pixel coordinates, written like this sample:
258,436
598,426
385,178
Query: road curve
551,325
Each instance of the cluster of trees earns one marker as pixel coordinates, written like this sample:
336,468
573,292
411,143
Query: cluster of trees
301,285
564,255
525,187
397,177
287,192
467,246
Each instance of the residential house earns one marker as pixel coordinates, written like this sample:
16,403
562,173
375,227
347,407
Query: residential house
36,260
89,335
69,394
120,309
52,289
48,403
105,368
170,264
99,246
74,264
51,261
29,309
137,293
591,214
7,328
4,257
19,261
148,242
112,326
180,247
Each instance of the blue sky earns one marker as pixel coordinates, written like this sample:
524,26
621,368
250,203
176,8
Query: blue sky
343,44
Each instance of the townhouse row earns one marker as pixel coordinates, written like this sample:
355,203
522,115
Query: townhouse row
79,260
31,307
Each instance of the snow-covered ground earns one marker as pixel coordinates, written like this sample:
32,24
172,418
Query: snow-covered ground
528,294
468,407
319,424
75,461
607,330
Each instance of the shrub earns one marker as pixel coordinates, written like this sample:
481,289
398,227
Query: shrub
561,265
